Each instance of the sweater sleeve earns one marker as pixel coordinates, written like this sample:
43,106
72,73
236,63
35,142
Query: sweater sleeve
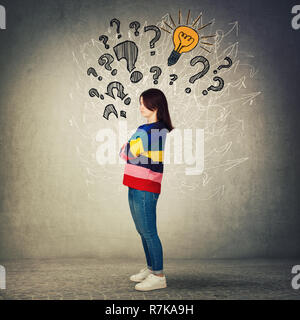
135,146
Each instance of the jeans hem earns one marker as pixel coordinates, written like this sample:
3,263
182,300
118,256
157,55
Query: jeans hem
157,271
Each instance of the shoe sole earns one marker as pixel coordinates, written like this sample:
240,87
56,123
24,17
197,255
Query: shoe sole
149,289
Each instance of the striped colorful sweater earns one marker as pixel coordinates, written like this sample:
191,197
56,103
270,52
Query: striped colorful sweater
144,155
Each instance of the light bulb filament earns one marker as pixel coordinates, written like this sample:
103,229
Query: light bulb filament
185,41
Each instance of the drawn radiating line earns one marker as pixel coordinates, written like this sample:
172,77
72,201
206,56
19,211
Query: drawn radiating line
200,15
204,49
168,25
179,15
202,27
188,17
165,30
172,21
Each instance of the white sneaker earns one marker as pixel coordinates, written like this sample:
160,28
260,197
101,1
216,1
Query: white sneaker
152,282
143,273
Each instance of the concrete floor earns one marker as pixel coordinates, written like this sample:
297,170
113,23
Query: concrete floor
95,278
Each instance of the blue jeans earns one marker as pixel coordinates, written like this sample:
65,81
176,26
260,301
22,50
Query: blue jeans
143,210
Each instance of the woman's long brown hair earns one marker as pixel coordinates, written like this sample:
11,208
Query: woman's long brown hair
155,99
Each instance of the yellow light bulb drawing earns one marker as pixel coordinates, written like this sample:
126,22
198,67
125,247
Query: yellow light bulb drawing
185,39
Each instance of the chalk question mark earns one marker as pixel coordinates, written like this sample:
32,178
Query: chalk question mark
94,92
117,22
200,74
120,89
135,25
224,66
155,39
104,39
157,72
110,108
107,59
174,77
214,88
93,72
128,51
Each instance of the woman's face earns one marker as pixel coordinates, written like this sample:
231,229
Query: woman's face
146,112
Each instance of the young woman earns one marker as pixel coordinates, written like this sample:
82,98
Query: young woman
144,155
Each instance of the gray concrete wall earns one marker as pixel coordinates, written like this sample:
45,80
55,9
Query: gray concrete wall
56,200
